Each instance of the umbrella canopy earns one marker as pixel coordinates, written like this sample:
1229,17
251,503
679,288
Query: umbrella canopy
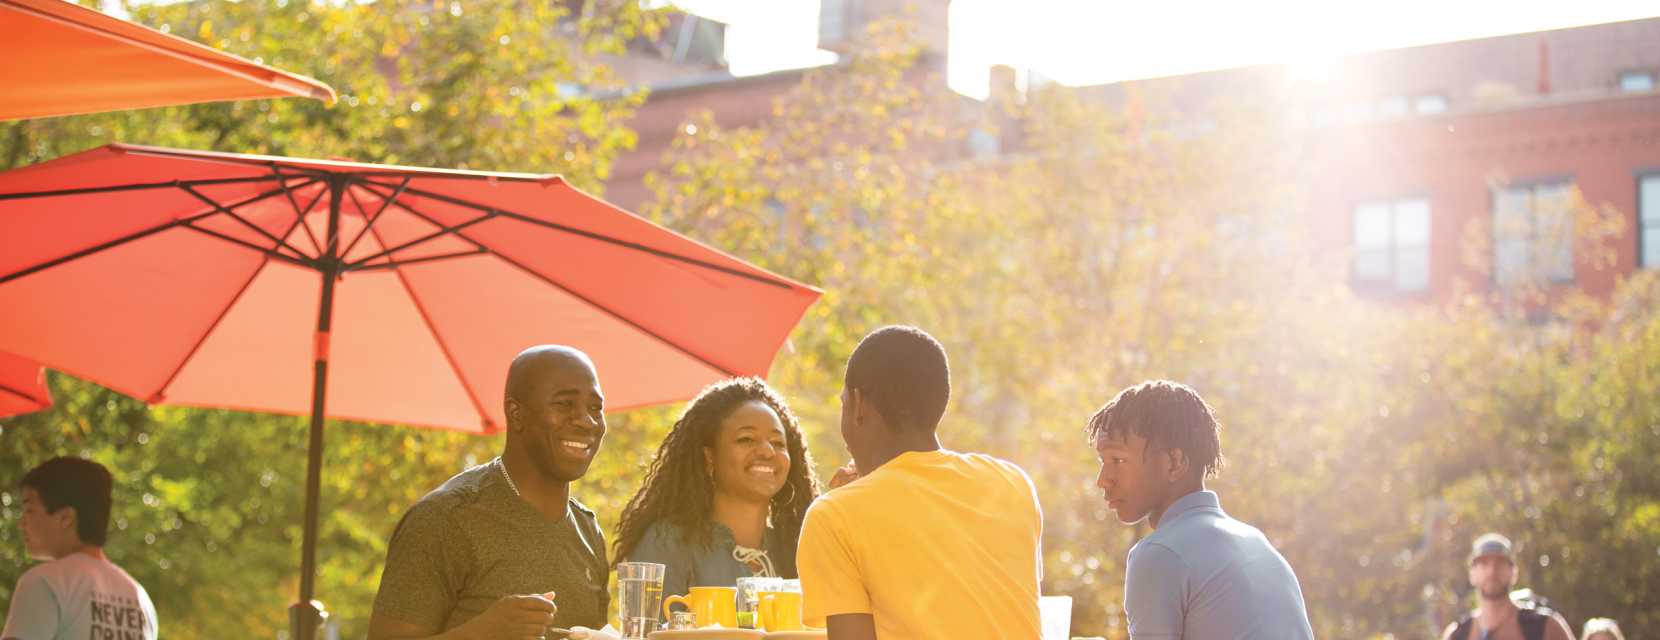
22,386
370,292
63,59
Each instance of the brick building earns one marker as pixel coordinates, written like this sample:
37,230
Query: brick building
1413,149
1409,147
1428,140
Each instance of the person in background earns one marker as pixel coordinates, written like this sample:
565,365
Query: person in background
76,592
1493,574
726,494
1601,629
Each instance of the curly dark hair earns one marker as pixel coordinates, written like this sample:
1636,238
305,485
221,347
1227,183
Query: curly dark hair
677,488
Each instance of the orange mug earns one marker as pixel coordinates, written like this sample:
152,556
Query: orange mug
780,610
711,605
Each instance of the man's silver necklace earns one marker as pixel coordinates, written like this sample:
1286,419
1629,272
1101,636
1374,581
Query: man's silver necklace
503,466
509,478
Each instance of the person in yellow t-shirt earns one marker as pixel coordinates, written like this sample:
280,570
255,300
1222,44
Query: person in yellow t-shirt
927,543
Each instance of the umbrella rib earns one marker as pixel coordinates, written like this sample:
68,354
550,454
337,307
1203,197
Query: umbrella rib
4,278
614,314
270,253
299,214
17,392
298,257
417,213
393,264
161,391
95,249
225,210
443,347
131,187
603,238
385,203
442,231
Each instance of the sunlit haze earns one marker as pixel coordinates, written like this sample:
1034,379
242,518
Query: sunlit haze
1079,42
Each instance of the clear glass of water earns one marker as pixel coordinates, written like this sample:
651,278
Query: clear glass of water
639,597
749,593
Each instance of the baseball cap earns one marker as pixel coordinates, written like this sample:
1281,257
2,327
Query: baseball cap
1492,544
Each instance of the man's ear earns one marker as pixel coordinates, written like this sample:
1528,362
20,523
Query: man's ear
1176,464
513,411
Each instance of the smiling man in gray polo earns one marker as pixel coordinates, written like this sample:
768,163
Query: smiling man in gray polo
1200,575
503,550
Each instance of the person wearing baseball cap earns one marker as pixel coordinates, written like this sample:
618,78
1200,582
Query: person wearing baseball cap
1601,629
1493,573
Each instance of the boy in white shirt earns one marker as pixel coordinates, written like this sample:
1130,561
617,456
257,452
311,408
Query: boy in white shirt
76,592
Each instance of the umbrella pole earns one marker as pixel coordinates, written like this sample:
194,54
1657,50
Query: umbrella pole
306,615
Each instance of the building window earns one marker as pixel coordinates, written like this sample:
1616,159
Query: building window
984,143
1392,244
1533,233
1637,81
1429,103
1648,221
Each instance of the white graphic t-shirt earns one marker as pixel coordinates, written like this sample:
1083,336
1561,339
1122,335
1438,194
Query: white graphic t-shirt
78,597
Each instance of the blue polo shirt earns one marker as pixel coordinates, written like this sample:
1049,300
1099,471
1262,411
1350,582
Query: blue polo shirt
1202,575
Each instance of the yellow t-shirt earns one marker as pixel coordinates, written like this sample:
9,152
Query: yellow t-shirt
933,545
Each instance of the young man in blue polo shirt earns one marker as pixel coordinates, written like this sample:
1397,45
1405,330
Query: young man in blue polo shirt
1200,573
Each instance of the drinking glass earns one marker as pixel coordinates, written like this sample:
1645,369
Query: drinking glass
639,596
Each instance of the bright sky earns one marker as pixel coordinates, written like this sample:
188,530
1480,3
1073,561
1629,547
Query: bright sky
1096,41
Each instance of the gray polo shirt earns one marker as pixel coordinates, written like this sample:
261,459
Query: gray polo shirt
473,541
1202,575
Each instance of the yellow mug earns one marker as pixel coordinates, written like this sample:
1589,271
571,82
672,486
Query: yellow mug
780,610
710,605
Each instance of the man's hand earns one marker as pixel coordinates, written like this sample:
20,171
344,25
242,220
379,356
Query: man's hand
524,617
847,473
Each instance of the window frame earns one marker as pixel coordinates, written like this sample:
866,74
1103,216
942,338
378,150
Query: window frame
1643,223
1532,185
1653,80
1390,282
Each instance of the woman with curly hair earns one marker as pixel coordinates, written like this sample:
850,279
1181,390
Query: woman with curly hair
726,494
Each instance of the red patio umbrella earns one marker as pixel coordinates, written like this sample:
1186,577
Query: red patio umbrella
22,386
361,291
62,59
